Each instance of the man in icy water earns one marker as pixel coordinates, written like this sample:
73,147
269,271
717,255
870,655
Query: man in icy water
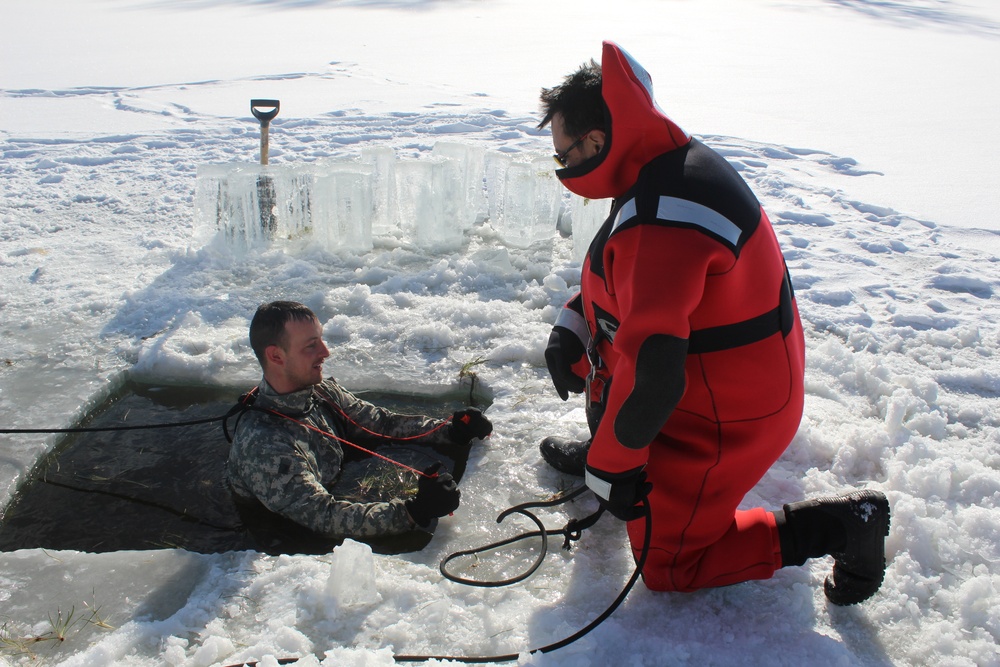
287,451
686,338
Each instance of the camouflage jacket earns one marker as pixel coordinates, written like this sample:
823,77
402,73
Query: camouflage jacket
289,467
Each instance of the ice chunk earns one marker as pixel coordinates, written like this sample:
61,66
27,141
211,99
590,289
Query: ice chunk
385,216
343,206
495,165
294,195
228,202
429,194
469,160
251,204
588,215
352,576
527,209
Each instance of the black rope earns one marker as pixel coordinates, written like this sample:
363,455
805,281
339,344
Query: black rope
571,533
511,657
136,427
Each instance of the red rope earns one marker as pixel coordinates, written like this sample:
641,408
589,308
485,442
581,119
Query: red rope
380,435
356,446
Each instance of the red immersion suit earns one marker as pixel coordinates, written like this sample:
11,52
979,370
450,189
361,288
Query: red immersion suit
697,348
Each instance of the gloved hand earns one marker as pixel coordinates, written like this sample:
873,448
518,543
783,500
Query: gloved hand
437,496
619,493
468,424
565,351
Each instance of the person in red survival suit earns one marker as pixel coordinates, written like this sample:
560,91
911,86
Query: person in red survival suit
688,334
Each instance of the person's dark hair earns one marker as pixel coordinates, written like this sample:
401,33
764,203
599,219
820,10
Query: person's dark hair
578,99
268,324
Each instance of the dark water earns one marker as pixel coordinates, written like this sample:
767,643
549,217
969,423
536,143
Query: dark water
164,488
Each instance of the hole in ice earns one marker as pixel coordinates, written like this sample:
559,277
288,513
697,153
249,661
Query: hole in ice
164,488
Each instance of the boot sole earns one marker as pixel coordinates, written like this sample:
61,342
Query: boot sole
552,453
848,587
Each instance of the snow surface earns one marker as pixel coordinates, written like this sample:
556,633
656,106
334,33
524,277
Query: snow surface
868,130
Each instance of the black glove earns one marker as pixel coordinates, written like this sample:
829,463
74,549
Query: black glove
563,351
437,495
619,493
468,424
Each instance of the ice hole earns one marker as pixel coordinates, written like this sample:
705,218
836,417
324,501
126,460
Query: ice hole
163,488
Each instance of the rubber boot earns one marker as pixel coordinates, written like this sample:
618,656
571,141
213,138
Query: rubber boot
565,455
851,528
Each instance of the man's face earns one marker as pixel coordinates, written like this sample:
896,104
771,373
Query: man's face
574,149
298,363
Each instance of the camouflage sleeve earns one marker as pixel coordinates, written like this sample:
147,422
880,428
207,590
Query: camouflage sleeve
362,416
273,464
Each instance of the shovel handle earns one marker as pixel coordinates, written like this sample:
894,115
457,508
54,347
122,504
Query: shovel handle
269,110
261,115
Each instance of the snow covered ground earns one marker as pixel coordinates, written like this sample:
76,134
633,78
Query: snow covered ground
866,128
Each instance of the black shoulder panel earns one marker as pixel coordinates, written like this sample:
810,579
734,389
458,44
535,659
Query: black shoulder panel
692,187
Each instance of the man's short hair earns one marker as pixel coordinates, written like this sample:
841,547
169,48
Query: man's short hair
267,327
578,99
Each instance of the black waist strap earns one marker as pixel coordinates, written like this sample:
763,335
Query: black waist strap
727,336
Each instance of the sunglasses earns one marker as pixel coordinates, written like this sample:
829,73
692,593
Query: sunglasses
560,158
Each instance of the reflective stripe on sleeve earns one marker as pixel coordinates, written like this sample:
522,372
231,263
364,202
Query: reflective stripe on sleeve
599,486
575,322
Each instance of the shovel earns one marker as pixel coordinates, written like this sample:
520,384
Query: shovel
265,184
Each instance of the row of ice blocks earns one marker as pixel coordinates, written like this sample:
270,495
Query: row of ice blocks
430,202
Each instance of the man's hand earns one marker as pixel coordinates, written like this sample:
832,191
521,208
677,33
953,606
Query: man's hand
437,496
566,359
468,424
619,493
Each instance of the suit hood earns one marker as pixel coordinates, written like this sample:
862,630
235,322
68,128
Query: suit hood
637,130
